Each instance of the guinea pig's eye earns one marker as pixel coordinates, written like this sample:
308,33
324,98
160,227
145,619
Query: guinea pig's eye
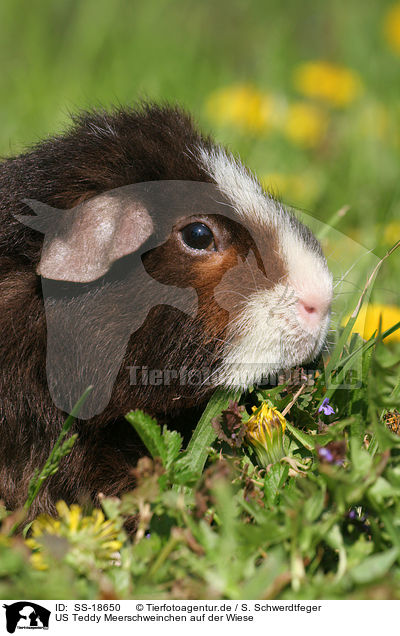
198,236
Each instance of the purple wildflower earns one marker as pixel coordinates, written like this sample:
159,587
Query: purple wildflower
333,453
360,519
328,410
325,454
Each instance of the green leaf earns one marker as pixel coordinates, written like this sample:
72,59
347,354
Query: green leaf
173,443
308,441
264,576
382,489
315,504
360,457
374,567
274,481
311,441
334,538
149,432
204,434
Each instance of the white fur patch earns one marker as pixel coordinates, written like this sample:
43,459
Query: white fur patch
269,335
308,271
240,186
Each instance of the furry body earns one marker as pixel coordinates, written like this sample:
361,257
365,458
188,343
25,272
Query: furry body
102,152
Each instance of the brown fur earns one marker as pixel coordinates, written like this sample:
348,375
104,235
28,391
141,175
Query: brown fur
101,151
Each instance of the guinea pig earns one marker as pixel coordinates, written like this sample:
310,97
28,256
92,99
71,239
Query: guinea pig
139,257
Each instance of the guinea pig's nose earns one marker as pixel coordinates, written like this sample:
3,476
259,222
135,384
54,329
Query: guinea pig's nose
312,310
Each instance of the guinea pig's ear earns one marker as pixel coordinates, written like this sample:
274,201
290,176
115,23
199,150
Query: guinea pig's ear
81,244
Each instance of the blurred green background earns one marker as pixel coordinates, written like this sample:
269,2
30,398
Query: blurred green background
307,92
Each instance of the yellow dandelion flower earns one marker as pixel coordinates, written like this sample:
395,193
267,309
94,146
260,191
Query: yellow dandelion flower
45,525
242,106
72,515
368,320
90,538
38,563
391,27
305,124
336,85
265,431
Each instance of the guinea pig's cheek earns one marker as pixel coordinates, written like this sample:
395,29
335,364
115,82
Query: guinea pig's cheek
208,272
167,265
239,283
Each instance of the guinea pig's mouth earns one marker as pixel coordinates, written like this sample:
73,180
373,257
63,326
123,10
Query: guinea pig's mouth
270,337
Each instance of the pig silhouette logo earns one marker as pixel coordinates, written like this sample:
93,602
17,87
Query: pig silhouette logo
98,288
26,615
91,262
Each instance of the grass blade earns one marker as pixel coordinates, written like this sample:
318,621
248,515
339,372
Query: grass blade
204,434
60,449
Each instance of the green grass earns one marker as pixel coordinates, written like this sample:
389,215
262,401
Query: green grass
219,520
306,528
68,55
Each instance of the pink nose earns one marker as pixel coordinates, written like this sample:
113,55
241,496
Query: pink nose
311,310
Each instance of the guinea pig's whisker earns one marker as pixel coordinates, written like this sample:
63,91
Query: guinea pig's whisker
252,274
257,288
233,291
209,377
351,268
348,282
220,340
337,294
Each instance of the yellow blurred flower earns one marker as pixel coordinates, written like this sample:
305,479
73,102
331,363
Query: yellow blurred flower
391,27
302,188
368,320
305,124
265,431
336,85
242,106
391,233
90,537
